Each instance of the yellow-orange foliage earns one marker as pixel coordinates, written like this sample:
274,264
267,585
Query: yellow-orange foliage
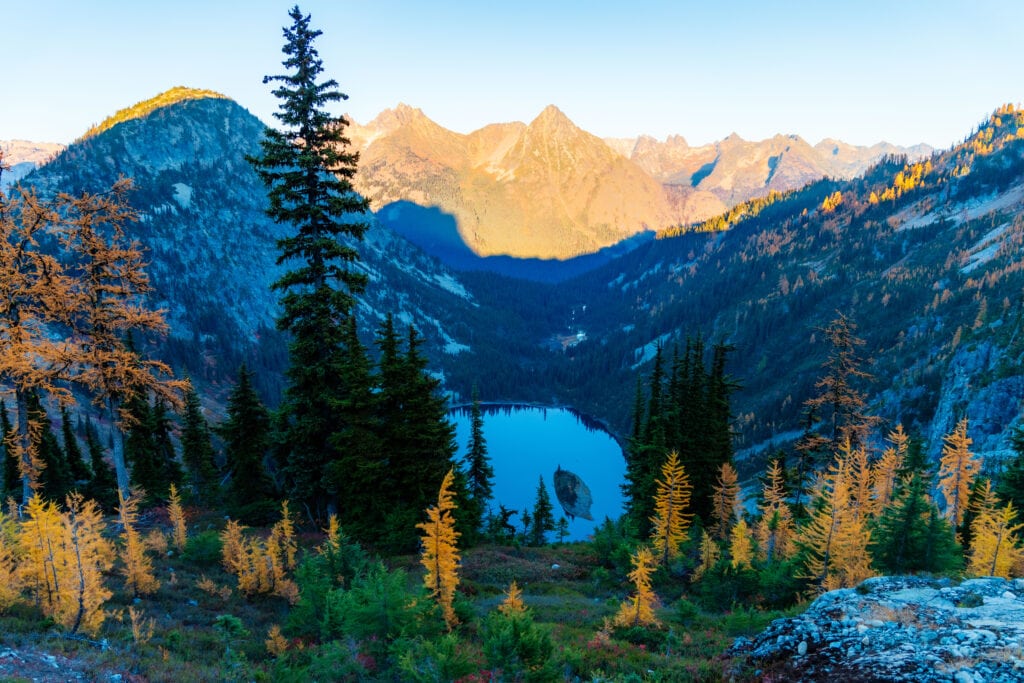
513,602
885,473
10,584
957,470
995,542
741,548
774,531
639,610
724,501
832,202
709,554
138,568
275,643
179,532
836,538
670,520
64,558
262,566
440,556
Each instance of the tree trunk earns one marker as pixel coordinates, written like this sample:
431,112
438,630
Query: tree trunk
25,443
117,448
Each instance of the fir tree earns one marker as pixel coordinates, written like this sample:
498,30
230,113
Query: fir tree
1011,483
543,515
479,473
11,473
197,450
55,478
102,487
308,171
80,472
905,538
246,435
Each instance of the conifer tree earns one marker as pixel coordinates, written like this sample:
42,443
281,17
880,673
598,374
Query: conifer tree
109,309
996,549
102,487
479,473
308,170
175,512
741,546
246,433
11,473
639,610
844,405
197,449
513,602
710,552
957,470
543,515
10,581
724,501
671,515
80,472
138,567
55,479
440,554
774,530
911,536
1011,483
885,474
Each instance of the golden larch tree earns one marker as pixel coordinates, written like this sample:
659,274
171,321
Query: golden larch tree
957,470
885,472
835,540
741,546
10,583
995,547
639,610
724,500
261,567
774,531
138,567
670,520
709,555
440,556
179,532
513,602
87,556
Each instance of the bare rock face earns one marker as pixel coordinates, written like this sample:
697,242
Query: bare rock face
899,629
573,494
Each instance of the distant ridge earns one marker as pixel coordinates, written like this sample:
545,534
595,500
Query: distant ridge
176,94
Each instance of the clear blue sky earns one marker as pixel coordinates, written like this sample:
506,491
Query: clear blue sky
861,71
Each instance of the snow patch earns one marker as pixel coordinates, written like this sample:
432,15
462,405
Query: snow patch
182,195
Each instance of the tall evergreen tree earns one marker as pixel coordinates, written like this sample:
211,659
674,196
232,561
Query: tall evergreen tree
246,434
479,473
12,476
416,435
102,487
1011,483
911,535
197,449
308,170
148,447
543,518
55,480
80,472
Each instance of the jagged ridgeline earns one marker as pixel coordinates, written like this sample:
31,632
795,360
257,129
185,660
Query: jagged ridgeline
211,250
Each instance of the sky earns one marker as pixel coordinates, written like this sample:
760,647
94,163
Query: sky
858,70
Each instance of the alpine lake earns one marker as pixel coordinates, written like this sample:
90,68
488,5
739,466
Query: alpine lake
527,444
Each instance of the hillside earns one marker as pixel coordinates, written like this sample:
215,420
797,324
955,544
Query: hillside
924,257
211,249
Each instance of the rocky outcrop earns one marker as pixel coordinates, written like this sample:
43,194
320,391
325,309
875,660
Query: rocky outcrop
898,629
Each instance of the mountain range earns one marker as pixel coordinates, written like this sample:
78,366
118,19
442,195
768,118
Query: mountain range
551,190
923,255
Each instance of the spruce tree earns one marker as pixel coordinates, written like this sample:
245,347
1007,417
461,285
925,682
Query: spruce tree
1011,482
197,450
911,535
79,470
543,518
55,479
246,434
479,473
102,487
308,171
11,473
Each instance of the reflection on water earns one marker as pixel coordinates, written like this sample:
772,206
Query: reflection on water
526,442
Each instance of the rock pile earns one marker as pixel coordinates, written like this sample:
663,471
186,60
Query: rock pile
898,629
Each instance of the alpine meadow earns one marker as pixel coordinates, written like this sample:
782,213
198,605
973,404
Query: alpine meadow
262,382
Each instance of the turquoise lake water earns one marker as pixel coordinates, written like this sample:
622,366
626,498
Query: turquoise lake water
526,443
